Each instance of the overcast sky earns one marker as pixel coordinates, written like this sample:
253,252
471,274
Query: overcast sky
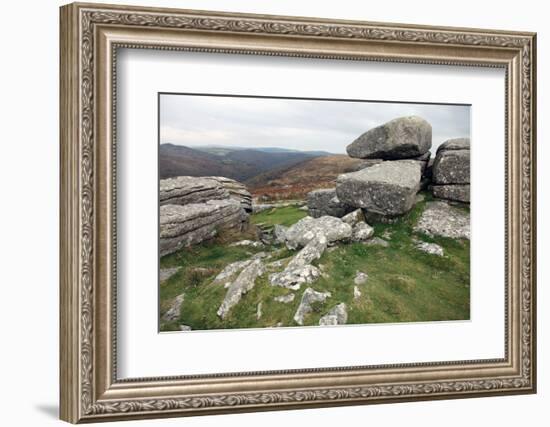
292,123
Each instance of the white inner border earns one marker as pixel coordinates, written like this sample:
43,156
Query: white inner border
143,352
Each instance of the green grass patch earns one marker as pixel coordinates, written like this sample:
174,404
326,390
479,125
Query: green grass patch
286,216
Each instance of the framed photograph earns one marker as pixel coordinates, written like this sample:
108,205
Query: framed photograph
266,212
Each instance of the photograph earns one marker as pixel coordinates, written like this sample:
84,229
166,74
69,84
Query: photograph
300,212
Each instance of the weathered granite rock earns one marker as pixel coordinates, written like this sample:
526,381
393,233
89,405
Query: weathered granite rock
259,311
338,315
401,138
356,292
173,312
242,284
451,167
361,232
229,271
299,271
354,217
325,202
300,233
455,144
441,219
310,252
184,190
285,299
181,226
458,192
279,233
185,328
360,278
294,278
387,189
166,273
429,248
309,297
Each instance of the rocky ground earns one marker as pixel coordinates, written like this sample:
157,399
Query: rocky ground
411,270
385,242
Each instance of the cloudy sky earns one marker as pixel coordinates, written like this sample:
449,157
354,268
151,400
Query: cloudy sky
292,123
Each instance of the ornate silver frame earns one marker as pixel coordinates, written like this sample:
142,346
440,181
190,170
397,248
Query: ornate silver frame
90,36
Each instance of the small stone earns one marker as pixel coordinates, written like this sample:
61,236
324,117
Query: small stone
309,296
387,235
166,273
429,248
173,312
185,328
361,232
360,278
354,217
259,311
285,299
377,241
337,316
252,243
356,293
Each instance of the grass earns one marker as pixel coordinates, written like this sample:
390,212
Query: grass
286,216
404,284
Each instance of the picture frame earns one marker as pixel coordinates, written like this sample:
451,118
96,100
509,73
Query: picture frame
91,34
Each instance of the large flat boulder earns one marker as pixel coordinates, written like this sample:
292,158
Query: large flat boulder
400,138
181,226
451,167
308,228
387,189
325,202
183,190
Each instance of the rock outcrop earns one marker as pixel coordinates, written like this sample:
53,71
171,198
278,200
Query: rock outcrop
181,226
387,189
400,138
194,209
451,170
441,219
325,202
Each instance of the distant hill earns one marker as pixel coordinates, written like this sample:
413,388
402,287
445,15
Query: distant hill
234,162
296,180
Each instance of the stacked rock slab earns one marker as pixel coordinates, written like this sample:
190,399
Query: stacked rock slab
451,170
182,190
325,202
194,209
396,156
182,226
387,189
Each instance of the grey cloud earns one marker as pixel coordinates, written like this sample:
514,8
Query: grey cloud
291,123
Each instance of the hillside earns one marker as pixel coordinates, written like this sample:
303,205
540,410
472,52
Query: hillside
239,164
296,180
